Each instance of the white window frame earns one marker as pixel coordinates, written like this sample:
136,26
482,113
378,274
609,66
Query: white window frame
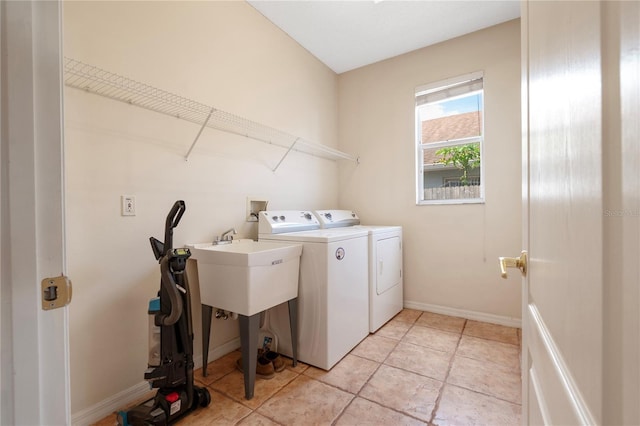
442,86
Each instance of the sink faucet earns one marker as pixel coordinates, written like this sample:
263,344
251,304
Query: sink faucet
228,234
226,237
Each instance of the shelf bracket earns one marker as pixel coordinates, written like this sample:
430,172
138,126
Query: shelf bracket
186,157
285,154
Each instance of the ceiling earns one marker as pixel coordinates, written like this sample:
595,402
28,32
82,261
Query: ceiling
346,35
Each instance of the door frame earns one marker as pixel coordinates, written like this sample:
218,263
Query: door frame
35,343
524,99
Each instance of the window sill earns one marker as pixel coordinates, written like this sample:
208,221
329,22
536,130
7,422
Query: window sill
450,202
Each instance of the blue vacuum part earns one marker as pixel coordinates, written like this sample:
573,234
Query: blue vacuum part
154,305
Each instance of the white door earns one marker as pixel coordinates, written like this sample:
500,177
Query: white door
580,346
34,368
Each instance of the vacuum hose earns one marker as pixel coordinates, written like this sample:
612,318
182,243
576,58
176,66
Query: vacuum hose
169,285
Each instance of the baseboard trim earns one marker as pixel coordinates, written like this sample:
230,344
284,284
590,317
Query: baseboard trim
109,405
116,402
464,313
218,352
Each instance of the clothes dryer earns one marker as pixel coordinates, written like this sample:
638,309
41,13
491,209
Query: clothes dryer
333,294
385,263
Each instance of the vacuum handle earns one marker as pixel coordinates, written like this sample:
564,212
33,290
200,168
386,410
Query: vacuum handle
175,298
173,218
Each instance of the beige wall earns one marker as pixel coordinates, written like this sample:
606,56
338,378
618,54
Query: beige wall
227,55
224,54
451,251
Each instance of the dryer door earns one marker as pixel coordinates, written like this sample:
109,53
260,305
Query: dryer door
388,263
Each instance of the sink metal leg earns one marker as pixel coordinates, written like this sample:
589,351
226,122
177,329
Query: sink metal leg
249,346
207,314
293,321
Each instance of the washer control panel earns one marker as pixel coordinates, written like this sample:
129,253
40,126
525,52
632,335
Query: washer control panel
337,218
279,221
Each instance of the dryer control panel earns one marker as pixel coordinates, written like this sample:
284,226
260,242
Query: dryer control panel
337,218
279,221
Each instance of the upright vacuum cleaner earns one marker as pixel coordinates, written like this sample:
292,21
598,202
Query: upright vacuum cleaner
170,339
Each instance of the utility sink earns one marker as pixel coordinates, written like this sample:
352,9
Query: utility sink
247,276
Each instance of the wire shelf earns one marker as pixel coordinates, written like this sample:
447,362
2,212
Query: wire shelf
113,86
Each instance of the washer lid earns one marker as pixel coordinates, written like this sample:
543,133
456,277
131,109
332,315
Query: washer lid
336,218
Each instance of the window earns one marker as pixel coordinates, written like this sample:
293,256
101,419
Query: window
449,137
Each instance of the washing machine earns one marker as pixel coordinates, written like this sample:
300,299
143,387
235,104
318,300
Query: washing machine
333,293
385,263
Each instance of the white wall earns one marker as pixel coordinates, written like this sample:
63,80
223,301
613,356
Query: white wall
451,251
224,54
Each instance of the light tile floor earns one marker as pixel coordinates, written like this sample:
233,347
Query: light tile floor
420,368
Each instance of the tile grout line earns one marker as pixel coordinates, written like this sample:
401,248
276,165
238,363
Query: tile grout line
255,410
398,341
357,394
490,362
413,324
334,421
484,394
436,405
219,392
297,375
240,402
493,341
380,364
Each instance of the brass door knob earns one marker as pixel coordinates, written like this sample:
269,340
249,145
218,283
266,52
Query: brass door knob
513,262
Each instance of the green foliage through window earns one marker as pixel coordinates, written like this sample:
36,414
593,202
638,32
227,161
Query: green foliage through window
463,157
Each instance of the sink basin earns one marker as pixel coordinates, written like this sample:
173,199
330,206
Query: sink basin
246,276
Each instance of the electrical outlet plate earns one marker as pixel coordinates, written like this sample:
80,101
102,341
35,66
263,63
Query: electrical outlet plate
253,207
128,203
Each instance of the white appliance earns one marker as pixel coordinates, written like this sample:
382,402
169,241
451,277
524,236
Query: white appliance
385,263
333,294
